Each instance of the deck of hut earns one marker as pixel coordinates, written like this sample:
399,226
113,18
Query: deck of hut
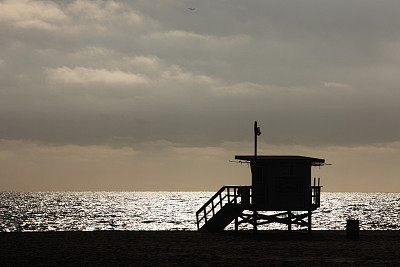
280,184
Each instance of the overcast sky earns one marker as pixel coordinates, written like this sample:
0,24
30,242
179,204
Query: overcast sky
150,95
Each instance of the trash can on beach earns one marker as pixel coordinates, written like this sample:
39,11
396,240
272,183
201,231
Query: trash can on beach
352,229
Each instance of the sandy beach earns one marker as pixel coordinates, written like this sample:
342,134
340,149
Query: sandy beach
194,248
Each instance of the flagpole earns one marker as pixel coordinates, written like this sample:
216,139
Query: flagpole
255,140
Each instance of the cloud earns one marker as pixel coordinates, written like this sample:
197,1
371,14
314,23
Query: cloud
103,10
90,52
95,17
82,75
165,73
37,152
335,85
27,14
177,74
179,36
148,62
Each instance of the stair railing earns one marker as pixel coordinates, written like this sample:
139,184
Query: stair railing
316,194
225,195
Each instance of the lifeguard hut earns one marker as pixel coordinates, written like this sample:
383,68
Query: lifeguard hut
281,185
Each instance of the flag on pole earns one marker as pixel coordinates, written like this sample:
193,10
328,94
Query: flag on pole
258,131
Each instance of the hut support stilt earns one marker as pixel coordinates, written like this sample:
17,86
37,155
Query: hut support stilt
255,215
289,218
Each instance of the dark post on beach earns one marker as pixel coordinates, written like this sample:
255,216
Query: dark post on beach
352,229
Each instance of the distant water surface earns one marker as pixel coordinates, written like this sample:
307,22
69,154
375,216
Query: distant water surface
89,211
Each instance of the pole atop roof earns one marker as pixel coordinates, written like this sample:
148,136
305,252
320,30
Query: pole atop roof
255,140
257,132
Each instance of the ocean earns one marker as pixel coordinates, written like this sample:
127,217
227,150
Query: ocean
166,211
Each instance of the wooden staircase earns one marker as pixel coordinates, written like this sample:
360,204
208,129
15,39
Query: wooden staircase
221,209
222,218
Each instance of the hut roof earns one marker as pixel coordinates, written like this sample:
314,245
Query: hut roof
313,161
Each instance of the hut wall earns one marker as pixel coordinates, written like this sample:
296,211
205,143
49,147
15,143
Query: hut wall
281,185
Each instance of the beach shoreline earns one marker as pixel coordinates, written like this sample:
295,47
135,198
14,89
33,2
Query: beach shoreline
196,248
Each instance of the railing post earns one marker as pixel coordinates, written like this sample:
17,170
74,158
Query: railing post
251,195
220,200
236,224
255,215
314,195
229,200
212,205
205,215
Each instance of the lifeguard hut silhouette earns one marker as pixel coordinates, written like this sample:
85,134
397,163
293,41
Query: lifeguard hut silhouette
280,184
